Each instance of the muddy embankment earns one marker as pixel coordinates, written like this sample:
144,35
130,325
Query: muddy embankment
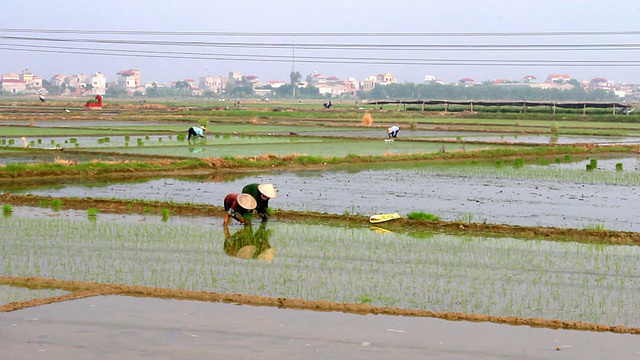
610,237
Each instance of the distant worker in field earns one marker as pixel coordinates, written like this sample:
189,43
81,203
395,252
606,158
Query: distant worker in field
261,193
392,132
236,206
196,131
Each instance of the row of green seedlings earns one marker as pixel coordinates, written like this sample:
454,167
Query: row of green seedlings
593,164
287,274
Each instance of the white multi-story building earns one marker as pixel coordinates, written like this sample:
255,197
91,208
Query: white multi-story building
98,84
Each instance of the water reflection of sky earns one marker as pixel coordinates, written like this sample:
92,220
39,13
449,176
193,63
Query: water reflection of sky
477,198
488,136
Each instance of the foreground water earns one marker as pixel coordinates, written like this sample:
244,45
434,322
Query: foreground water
110,327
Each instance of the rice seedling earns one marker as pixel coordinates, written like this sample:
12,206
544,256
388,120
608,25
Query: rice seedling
165,214
181,137
39,141
466,218
7,209
422,216
92,212
597,227
56,204
127,138
12,141
518,163
618,166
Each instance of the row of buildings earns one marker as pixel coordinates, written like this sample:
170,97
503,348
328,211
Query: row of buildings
130,82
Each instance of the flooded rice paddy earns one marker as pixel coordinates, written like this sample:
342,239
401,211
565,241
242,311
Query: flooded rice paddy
556,195
127,327
557,283
434,271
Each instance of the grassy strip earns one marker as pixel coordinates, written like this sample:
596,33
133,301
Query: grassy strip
269,161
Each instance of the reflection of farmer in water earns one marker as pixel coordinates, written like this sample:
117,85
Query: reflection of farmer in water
196,132
246,244
238,205
261,193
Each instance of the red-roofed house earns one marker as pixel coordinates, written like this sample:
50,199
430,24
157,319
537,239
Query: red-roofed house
557,78
529,79
128,79
13,86
466,81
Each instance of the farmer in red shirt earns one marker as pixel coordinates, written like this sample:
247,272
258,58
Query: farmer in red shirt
237,205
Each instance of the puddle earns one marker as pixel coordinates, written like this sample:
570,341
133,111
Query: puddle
125,327
429,271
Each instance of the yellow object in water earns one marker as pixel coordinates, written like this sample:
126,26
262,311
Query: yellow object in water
374,219
380,230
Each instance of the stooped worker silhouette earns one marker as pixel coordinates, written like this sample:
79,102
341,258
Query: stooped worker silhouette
261,193
237,206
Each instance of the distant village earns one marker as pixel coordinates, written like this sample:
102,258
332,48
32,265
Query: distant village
129,83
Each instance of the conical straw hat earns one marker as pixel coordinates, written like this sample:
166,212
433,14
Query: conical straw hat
268,190
247,201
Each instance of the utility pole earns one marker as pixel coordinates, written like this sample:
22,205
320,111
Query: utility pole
293,64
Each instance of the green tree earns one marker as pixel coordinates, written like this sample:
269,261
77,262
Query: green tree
295,77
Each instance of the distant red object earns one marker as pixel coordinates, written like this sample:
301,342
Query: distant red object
95,103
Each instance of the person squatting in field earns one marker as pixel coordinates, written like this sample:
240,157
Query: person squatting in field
392,132
236,206
261,193
196,131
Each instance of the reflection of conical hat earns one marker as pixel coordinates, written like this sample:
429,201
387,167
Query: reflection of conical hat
246,252
268,190
247,201
267,254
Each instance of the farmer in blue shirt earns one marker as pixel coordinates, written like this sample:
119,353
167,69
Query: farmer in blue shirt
392,132
196,131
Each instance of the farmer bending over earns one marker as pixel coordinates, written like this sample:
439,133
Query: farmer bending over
392,132
236,206
261,193
196,131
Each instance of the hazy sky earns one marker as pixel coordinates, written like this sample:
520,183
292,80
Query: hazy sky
521,33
